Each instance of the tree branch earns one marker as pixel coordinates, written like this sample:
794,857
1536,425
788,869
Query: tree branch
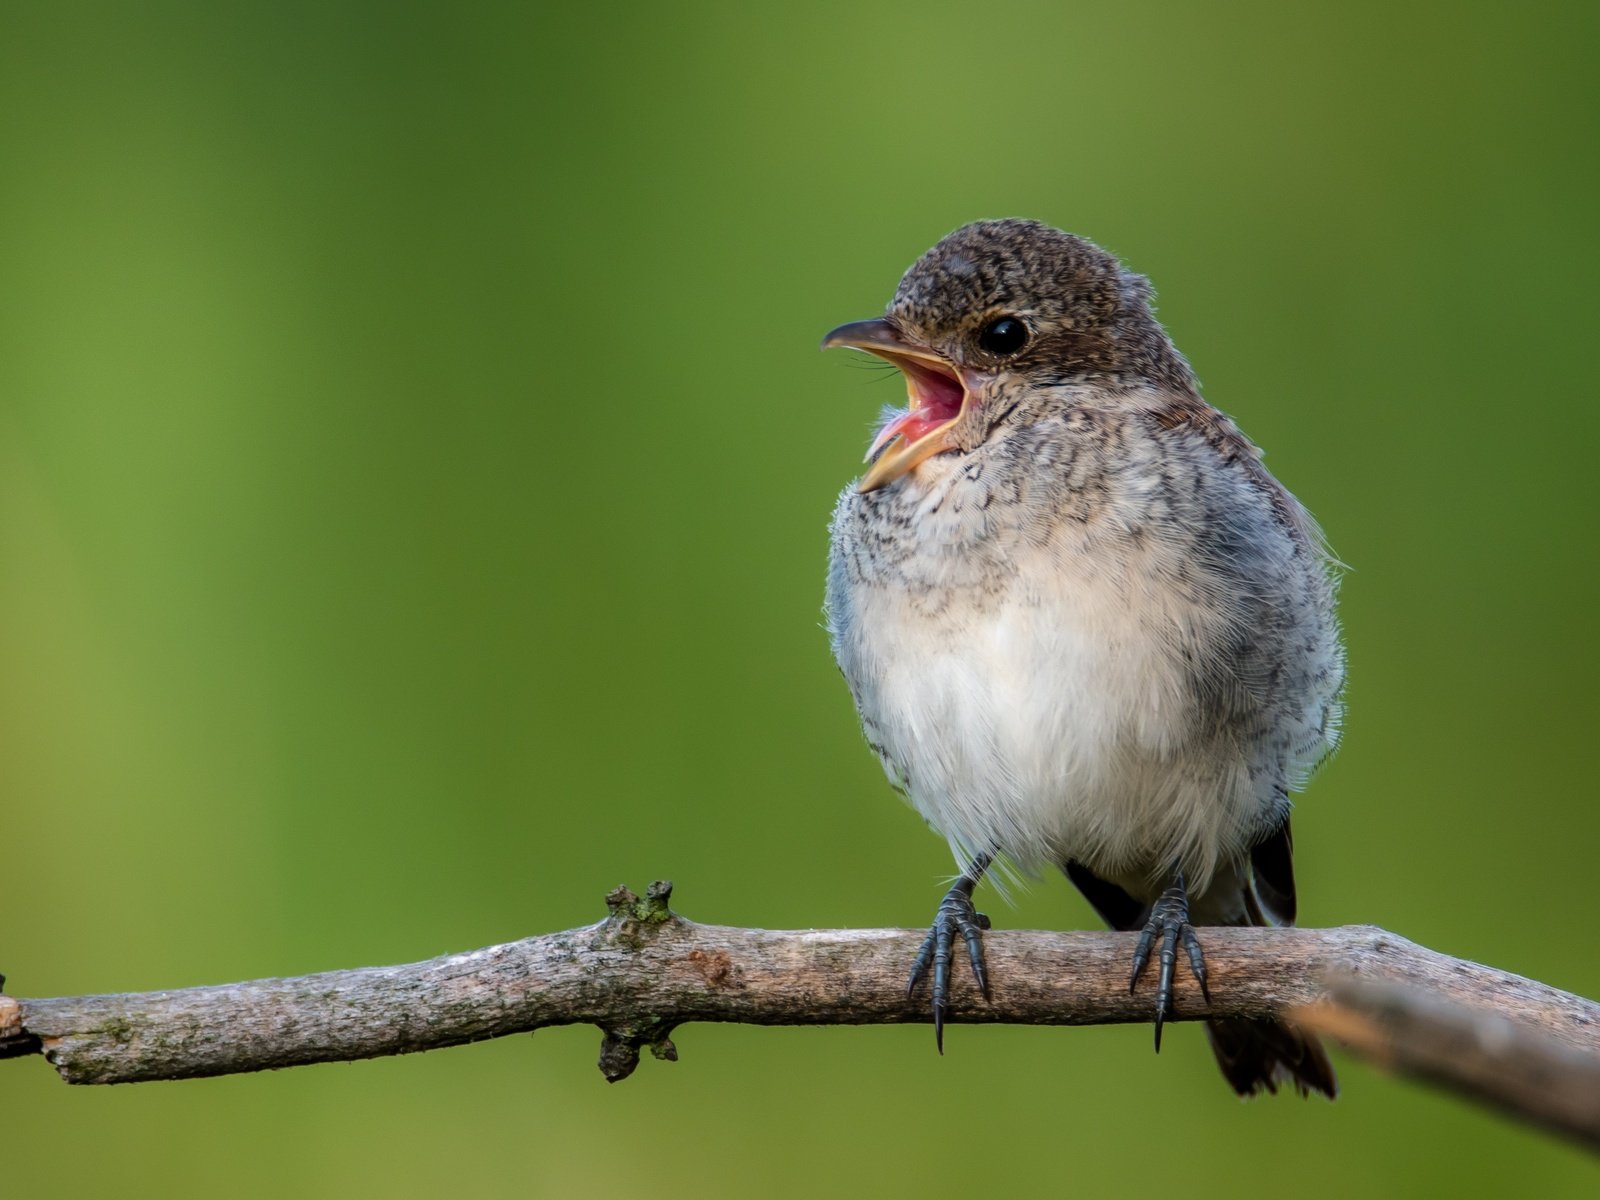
1476,1052
644,970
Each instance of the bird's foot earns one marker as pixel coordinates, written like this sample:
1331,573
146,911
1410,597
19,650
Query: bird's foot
956,915
1169,920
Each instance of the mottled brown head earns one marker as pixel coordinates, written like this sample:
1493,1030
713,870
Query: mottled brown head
991,319
1083,316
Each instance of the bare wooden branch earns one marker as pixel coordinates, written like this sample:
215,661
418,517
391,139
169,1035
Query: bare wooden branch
1479,1053
644,970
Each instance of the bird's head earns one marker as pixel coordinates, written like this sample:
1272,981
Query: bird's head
1000,319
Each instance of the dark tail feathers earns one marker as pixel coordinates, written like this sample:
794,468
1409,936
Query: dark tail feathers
1256,1056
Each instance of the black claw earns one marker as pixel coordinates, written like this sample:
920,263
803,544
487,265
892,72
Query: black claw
956,914
1169,917
1197,960
1141,955
975,952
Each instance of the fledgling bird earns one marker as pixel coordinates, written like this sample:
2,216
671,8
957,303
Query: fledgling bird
1082,623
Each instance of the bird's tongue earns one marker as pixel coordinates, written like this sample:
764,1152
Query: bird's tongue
913,425
935,401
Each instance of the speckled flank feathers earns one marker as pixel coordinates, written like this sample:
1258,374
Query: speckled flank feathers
1096,630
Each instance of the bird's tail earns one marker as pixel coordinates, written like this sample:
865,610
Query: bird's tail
1257,1056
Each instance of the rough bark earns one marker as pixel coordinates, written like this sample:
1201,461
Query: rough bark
644,970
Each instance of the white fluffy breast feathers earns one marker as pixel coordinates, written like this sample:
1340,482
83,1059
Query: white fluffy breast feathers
1127,664
1048,726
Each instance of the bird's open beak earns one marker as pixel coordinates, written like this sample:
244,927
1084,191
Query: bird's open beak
938,397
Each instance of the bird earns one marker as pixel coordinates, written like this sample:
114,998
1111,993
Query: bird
1082,624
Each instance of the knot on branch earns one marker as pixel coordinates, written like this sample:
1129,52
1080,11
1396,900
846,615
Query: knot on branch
619,1049
633,920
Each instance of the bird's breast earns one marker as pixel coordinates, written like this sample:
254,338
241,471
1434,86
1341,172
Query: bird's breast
1027,706
1098,640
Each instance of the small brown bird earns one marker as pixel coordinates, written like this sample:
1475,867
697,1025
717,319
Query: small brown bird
1083,625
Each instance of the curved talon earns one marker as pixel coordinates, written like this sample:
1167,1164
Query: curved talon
956,915
1169,917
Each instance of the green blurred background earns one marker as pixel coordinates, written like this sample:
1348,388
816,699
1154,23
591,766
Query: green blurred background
415,463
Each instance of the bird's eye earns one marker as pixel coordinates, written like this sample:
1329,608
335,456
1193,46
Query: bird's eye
1003,336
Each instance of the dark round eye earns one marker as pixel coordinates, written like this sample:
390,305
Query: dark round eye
1003,336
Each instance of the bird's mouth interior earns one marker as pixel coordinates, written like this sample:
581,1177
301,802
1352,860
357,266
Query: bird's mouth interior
935,396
